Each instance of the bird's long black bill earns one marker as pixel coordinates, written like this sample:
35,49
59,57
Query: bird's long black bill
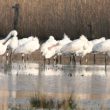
7,40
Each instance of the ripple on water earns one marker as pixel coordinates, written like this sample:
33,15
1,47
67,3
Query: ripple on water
88,85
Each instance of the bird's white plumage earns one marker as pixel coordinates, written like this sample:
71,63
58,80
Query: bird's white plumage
96,41
103,47
24,40
28,47
14,41
76,46
52,47
45,46
62,42
55,47
3,47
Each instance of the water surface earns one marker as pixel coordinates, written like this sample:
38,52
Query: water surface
87,86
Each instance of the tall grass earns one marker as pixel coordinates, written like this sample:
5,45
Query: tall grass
46,17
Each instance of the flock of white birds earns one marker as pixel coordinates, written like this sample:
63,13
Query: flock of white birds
23,46
52,47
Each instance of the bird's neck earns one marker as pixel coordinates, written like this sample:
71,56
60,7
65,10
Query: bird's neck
6,40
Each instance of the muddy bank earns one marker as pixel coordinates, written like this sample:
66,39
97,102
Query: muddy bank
89,59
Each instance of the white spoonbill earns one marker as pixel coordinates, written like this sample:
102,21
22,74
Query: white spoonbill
103,47
25,45
45,46
76,46
14,41
28,47
96,42
61,43
5,42
89,47
54,49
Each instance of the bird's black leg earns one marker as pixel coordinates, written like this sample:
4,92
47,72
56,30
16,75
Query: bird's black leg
80,60
94,58
60,59
105,62
74,59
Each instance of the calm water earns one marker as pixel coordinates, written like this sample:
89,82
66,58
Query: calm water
87,86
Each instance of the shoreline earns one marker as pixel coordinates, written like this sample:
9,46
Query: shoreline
89,59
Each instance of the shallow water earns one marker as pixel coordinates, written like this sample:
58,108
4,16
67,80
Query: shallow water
87,86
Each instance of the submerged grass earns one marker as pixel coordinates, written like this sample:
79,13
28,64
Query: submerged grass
43,102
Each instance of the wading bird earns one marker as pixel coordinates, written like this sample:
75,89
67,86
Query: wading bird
28,47
5,42
95,42
53,48
77,47
45,47
103,47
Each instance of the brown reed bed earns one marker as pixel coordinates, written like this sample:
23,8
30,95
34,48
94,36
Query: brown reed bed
54,17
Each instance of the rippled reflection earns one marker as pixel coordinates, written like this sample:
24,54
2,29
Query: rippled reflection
87,86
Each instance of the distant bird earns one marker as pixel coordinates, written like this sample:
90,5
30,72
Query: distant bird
13,44
14,41
5,42
62,43
28,47
95,42
23,46
45,47
89,47
76,46
54,49
103,47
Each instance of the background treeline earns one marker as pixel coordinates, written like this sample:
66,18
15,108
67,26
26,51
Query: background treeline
54,17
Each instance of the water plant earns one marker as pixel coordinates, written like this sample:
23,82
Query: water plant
52,103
